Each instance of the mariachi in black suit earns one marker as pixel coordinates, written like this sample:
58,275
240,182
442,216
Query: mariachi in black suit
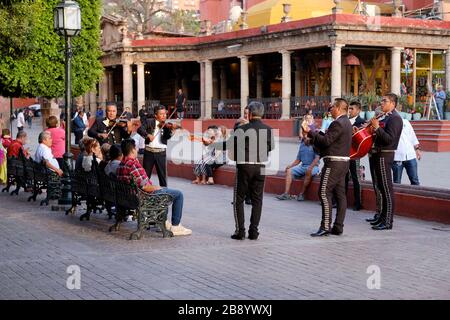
353,172
334,149
104,126
155,156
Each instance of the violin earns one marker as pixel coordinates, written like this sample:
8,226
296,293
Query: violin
169,125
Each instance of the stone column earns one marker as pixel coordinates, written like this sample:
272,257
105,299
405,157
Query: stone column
208,88
298,77
336,69
259,79
110,95
216,88
103,90
92,102
223,82
447,69
140,85
286,84
127,85
395,69
202,90
244,83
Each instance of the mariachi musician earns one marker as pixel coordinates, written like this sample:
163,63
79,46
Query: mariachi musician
357,122
387,129
334,147
111,129
156,131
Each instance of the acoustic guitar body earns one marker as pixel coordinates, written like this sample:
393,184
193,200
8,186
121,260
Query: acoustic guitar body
362,141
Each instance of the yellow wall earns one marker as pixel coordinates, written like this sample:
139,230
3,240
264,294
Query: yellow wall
271,11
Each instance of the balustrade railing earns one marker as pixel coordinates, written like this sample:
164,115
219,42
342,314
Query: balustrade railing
272,107
226,108
317,104
192,110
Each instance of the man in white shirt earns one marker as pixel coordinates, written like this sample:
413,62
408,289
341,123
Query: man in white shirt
44,153
406,155
20,120
156,132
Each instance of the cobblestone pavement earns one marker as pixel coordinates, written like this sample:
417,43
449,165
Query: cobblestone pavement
37,246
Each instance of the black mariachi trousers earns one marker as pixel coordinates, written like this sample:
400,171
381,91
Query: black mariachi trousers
353,174
157,159
332,182
383,172
249,179
375,186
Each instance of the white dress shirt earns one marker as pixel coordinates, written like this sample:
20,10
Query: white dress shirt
157,133
20,120
45,153
408,139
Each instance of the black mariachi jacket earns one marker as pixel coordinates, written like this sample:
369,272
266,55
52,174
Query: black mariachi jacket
388,134
116,136
148,127
336,141
359,122
243,146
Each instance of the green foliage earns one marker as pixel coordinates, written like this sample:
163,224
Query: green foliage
32,54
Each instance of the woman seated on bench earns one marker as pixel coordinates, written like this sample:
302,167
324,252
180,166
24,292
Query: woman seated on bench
93,155
131,170
116,156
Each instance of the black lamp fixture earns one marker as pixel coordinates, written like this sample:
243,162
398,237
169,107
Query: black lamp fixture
67,24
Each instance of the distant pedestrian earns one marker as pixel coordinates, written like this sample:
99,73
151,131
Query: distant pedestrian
20,120
440,97
180,103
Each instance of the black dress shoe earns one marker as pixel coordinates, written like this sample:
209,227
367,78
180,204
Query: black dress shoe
336,231
372,219
238,235
381,226
320,233
376,222
253,235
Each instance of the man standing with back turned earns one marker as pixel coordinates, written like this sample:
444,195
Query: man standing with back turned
334,147
251,144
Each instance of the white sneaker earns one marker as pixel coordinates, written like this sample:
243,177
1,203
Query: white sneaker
179,230
168,225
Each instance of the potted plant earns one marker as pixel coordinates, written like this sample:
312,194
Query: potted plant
417,112
371,99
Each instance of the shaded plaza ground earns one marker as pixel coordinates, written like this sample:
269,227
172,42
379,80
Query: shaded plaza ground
37,246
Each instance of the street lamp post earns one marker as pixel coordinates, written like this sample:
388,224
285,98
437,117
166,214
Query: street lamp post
67,23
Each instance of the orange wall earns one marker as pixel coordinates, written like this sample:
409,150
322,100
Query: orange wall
214,10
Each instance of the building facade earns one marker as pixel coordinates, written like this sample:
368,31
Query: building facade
287,66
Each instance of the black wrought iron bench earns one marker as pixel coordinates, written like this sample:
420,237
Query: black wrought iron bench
150,209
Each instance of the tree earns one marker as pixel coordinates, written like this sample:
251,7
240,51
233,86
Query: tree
32,54
141,15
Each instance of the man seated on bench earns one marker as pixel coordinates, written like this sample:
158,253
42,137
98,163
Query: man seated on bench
44,153
130,169
305,165
16,148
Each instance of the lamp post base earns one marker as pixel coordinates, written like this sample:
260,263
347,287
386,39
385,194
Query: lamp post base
66,189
